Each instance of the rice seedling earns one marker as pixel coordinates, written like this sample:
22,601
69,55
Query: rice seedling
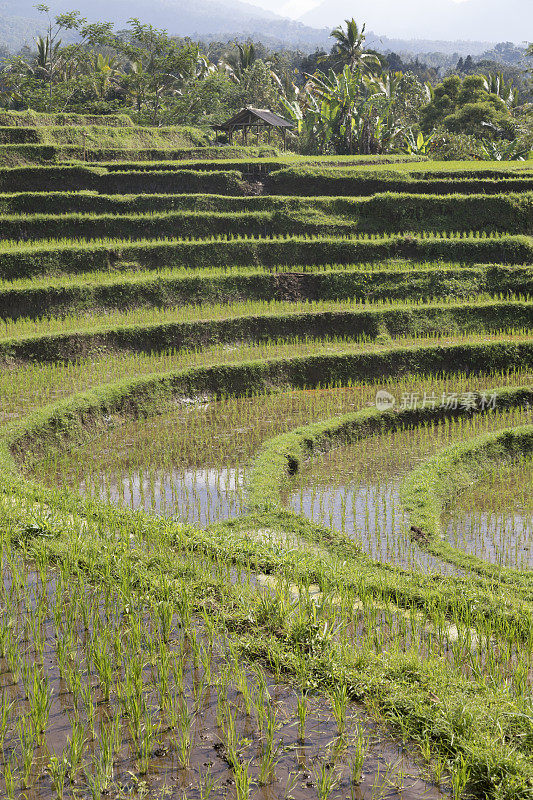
326,780
76,747
354,489
339,704
27,741
359,748
242,780
10,780
459,778
267,763
206,784
184,733
147,741
59,770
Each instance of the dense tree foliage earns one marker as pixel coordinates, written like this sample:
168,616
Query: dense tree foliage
350,100
472,105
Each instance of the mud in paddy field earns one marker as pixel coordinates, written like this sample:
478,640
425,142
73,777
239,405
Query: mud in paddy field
119,700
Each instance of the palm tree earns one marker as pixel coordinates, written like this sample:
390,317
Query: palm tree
349,47
238,62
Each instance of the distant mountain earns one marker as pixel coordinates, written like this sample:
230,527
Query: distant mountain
451,23
417,47
15,30
489,20
178,17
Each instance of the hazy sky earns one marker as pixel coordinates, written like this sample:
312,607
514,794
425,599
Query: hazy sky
482,20
295,8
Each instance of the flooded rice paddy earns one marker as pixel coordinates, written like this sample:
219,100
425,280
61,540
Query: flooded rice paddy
354,489
191,464
102,694
494,518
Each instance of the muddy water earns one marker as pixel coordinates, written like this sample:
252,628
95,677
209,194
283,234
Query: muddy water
199,496
77,616
372,516
505,539
354,489
493,519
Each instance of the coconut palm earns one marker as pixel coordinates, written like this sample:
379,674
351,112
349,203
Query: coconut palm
349,47
239,61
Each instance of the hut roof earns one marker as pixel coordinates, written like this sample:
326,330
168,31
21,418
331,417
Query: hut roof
254,116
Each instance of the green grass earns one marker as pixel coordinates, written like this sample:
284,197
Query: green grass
98,292
105,136
385,213
414,206
152,331
25,259
431,177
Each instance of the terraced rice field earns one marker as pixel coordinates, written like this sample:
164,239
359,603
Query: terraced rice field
266,507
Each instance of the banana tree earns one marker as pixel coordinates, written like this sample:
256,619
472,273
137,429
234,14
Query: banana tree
503,151
313,128
104,73
417,145
357,110
495,84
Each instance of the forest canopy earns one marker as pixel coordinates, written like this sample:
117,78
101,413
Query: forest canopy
350,100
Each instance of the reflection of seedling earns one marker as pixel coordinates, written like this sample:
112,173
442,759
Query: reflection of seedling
292,782
359,745
206,657
302,716
381,787
198,689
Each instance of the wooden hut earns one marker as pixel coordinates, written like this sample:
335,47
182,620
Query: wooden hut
249,119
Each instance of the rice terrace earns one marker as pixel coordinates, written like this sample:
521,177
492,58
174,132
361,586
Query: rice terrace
266,488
